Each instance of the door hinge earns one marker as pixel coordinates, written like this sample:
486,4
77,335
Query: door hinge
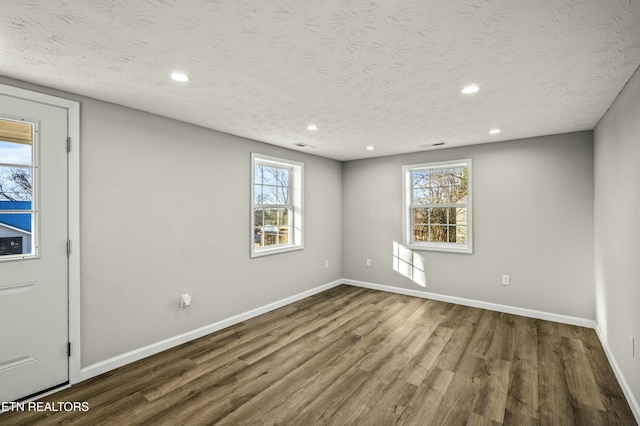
68,348
68,143
68,247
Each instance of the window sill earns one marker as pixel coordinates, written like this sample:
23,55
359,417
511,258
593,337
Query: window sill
275,250
458,248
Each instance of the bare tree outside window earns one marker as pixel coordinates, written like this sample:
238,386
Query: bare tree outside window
16,184
440,191
272,192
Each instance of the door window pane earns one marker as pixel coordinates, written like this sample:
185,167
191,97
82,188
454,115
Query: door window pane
16,188
16,153
16,184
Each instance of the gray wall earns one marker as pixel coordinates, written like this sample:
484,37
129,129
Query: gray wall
533,220
617,232
165,210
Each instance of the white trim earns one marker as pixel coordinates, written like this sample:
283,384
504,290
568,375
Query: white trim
73,206
73,165
531,313
137,354
626,389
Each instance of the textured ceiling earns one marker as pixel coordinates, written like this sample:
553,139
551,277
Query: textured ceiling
386,73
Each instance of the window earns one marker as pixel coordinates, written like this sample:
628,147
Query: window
437,206
17,201
276,205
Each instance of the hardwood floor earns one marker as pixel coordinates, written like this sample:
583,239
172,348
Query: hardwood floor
352,356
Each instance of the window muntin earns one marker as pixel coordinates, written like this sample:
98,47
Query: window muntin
437,201
276,222
17,201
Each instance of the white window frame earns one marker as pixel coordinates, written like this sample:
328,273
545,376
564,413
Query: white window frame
407,206
296,216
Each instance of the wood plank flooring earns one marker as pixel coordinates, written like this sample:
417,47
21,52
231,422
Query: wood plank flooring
352,356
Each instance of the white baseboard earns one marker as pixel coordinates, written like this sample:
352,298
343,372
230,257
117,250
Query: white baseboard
626,389
154,348
137,354
531,313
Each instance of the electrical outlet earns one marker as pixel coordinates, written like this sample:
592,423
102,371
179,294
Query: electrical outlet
632,348
326,264
185,300
505,280
368,263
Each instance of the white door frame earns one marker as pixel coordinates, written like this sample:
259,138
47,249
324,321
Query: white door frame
73,209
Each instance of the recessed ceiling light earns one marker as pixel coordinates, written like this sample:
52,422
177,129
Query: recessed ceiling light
470,89
178,76
494,131
312,127
370,148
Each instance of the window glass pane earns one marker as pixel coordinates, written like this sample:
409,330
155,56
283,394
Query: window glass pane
421,196
282,195
448,194
451,234
275,216
435,195
460,234
459,194
445,195
269,235
438,233
257,194
438,216
271,226
420,216
258,174
420,178
269,194
15,235
16,184
272,185
421,232
11,245
283,235
451,216
258,218
15,153
436,177
269,175
283,177
440,186
460,215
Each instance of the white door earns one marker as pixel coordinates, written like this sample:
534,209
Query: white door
34,299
